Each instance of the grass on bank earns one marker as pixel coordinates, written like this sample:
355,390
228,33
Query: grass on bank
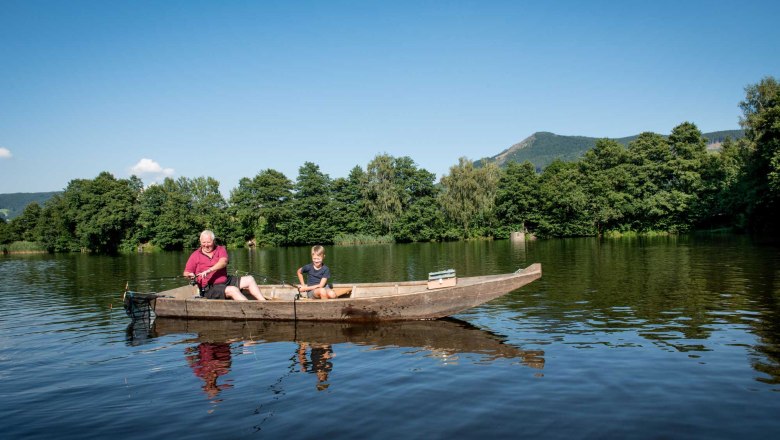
355,239
22,247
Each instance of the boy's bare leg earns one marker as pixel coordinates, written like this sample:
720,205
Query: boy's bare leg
324,293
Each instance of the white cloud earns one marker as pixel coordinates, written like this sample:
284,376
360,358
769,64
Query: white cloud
5,153
149,168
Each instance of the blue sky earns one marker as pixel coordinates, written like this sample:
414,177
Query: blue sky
227,89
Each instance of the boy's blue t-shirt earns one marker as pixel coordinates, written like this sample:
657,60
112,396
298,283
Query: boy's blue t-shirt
316,275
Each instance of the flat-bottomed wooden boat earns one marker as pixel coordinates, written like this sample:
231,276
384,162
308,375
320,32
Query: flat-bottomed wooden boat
409,300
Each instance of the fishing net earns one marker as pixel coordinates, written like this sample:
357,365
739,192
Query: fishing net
139,332
139,306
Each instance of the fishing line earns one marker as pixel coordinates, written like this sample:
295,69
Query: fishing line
265,278
161,278
278,392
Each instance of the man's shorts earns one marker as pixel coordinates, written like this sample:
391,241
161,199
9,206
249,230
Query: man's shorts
217,291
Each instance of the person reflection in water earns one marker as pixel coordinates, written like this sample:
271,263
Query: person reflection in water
209,361
318,363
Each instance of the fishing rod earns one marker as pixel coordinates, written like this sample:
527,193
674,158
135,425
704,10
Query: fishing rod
297,296
161,278
266,278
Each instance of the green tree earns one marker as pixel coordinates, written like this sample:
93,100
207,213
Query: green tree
260,207
104,210
6,236
24,226
607,178
655,200
313,212
350,213
150,206
688,163
382,193
726,190
209,208
563,202
173,226
468,194
56,226
420,218
761,122
517,202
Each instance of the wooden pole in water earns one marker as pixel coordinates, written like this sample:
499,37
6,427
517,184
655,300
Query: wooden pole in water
517,236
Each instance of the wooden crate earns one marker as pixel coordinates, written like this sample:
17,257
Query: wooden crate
444,278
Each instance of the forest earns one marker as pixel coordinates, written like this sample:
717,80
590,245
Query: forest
655,184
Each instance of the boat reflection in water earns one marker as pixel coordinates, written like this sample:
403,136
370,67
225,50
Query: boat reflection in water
445,339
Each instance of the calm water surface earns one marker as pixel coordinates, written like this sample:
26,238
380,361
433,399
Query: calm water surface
673,337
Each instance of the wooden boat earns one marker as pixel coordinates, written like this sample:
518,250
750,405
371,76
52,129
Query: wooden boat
445,337
409,300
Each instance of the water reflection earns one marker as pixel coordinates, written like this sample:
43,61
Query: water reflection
139,332
671,335
442,339
318,361
209,361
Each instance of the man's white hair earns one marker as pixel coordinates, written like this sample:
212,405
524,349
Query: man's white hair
209,233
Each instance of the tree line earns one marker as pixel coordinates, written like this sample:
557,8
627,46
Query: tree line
655,184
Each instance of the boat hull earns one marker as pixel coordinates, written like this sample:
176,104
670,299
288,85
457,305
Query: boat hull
368,302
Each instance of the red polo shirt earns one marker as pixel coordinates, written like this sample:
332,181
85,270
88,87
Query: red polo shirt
198,262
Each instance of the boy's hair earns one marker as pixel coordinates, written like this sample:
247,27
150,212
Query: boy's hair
317,250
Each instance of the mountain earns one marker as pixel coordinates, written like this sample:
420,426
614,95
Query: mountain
11,205
541,148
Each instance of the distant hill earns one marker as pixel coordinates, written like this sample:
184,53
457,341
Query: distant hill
542,148
11,205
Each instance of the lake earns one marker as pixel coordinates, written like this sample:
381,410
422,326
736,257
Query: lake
641,338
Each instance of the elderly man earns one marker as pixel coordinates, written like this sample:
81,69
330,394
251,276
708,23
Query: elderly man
208,267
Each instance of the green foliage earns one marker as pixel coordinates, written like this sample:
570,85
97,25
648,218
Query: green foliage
355,239
517,198
22,247
102,211
563,202
381,193
420,218
260,207
761,121
469,193
5,232
311,203
56,226
350,212
209,208
645,184
24,226
727,186
608,177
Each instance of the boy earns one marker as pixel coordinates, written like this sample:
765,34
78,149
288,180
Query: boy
317,284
